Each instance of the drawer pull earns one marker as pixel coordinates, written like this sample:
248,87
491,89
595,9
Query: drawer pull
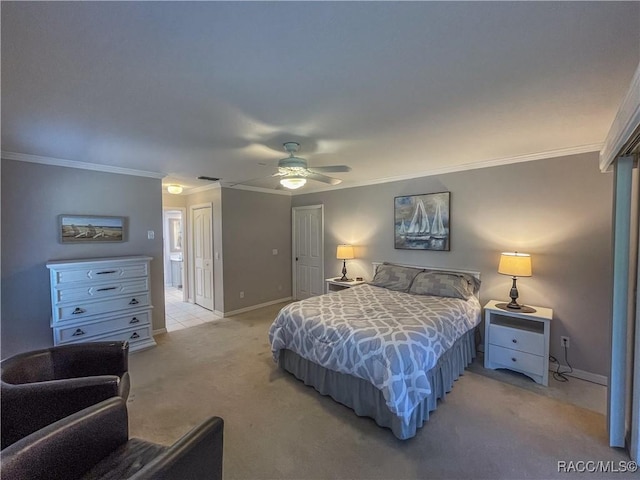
513,359
105,272
78,311
106,288
514,340
134,336
134,302
78,332
134,320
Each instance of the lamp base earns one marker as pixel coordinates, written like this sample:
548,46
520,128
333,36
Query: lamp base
521,309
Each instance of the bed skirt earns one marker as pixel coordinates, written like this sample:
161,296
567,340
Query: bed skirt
367,401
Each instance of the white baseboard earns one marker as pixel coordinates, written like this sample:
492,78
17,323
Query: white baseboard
255,307
581,374
159,331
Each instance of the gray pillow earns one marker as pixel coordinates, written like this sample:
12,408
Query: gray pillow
394,277
445,284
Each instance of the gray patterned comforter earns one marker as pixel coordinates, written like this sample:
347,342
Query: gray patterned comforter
387,337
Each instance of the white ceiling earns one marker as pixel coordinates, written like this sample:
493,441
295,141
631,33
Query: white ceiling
393,89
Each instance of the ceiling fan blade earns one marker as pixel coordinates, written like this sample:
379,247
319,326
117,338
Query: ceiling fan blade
331,168
323,178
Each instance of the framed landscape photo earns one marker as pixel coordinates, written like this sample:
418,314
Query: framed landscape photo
91,229
421,222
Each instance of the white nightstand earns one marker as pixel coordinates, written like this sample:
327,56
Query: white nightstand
518,341
335,285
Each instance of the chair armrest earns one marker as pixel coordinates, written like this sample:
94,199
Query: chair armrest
89,359
197,455
28,407
70,447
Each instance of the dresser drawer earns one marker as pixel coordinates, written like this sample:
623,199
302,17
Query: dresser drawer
516,360
100,273
517,339
135,337
102,290
89,329
76,311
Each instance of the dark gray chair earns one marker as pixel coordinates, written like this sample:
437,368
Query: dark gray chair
94,444
41,387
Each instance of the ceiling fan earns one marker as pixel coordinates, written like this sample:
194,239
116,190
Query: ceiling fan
294,171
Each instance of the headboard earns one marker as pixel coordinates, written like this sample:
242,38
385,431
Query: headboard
473,273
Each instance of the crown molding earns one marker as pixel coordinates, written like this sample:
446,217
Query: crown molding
562,152
624,125
203,188
428,173
60,162
259,189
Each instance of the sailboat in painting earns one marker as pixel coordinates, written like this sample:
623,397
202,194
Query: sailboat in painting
437,227
403,229
419,228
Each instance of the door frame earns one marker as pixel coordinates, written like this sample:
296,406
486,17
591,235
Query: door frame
185,247
192,260
294,246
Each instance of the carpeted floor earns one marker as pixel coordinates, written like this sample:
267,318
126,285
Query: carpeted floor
276,427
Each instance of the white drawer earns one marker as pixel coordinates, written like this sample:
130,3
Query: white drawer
137,338
89,329
102,290
100,274
516,360
79,310
513,338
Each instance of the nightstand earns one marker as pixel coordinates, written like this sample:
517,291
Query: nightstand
335,285
518,341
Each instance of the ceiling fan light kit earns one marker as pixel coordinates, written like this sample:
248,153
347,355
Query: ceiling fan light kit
293,182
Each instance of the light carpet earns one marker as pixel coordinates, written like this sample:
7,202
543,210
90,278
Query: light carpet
278,428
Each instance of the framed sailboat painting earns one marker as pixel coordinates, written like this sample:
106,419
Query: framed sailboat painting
422,221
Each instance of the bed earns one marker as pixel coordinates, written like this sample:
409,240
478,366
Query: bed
388,349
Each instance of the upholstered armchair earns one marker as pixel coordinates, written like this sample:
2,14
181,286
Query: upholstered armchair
40,387
94,444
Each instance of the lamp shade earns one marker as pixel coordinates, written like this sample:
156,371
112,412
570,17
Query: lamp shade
175,189
293,182
345,252
515,264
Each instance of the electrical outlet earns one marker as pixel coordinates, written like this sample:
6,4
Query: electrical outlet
565,342
241,294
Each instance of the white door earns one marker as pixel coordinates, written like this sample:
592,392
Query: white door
308,251
203,256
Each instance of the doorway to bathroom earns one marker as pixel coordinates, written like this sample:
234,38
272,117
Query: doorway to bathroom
174,275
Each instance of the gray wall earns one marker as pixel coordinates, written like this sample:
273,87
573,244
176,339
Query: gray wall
558,210
33,195
247,226
253,225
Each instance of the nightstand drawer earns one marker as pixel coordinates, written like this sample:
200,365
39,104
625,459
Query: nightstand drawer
513,338
516,360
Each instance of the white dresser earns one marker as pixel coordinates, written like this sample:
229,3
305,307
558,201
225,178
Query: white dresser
101,299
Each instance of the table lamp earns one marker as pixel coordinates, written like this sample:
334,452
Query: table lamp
344,253
516,265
